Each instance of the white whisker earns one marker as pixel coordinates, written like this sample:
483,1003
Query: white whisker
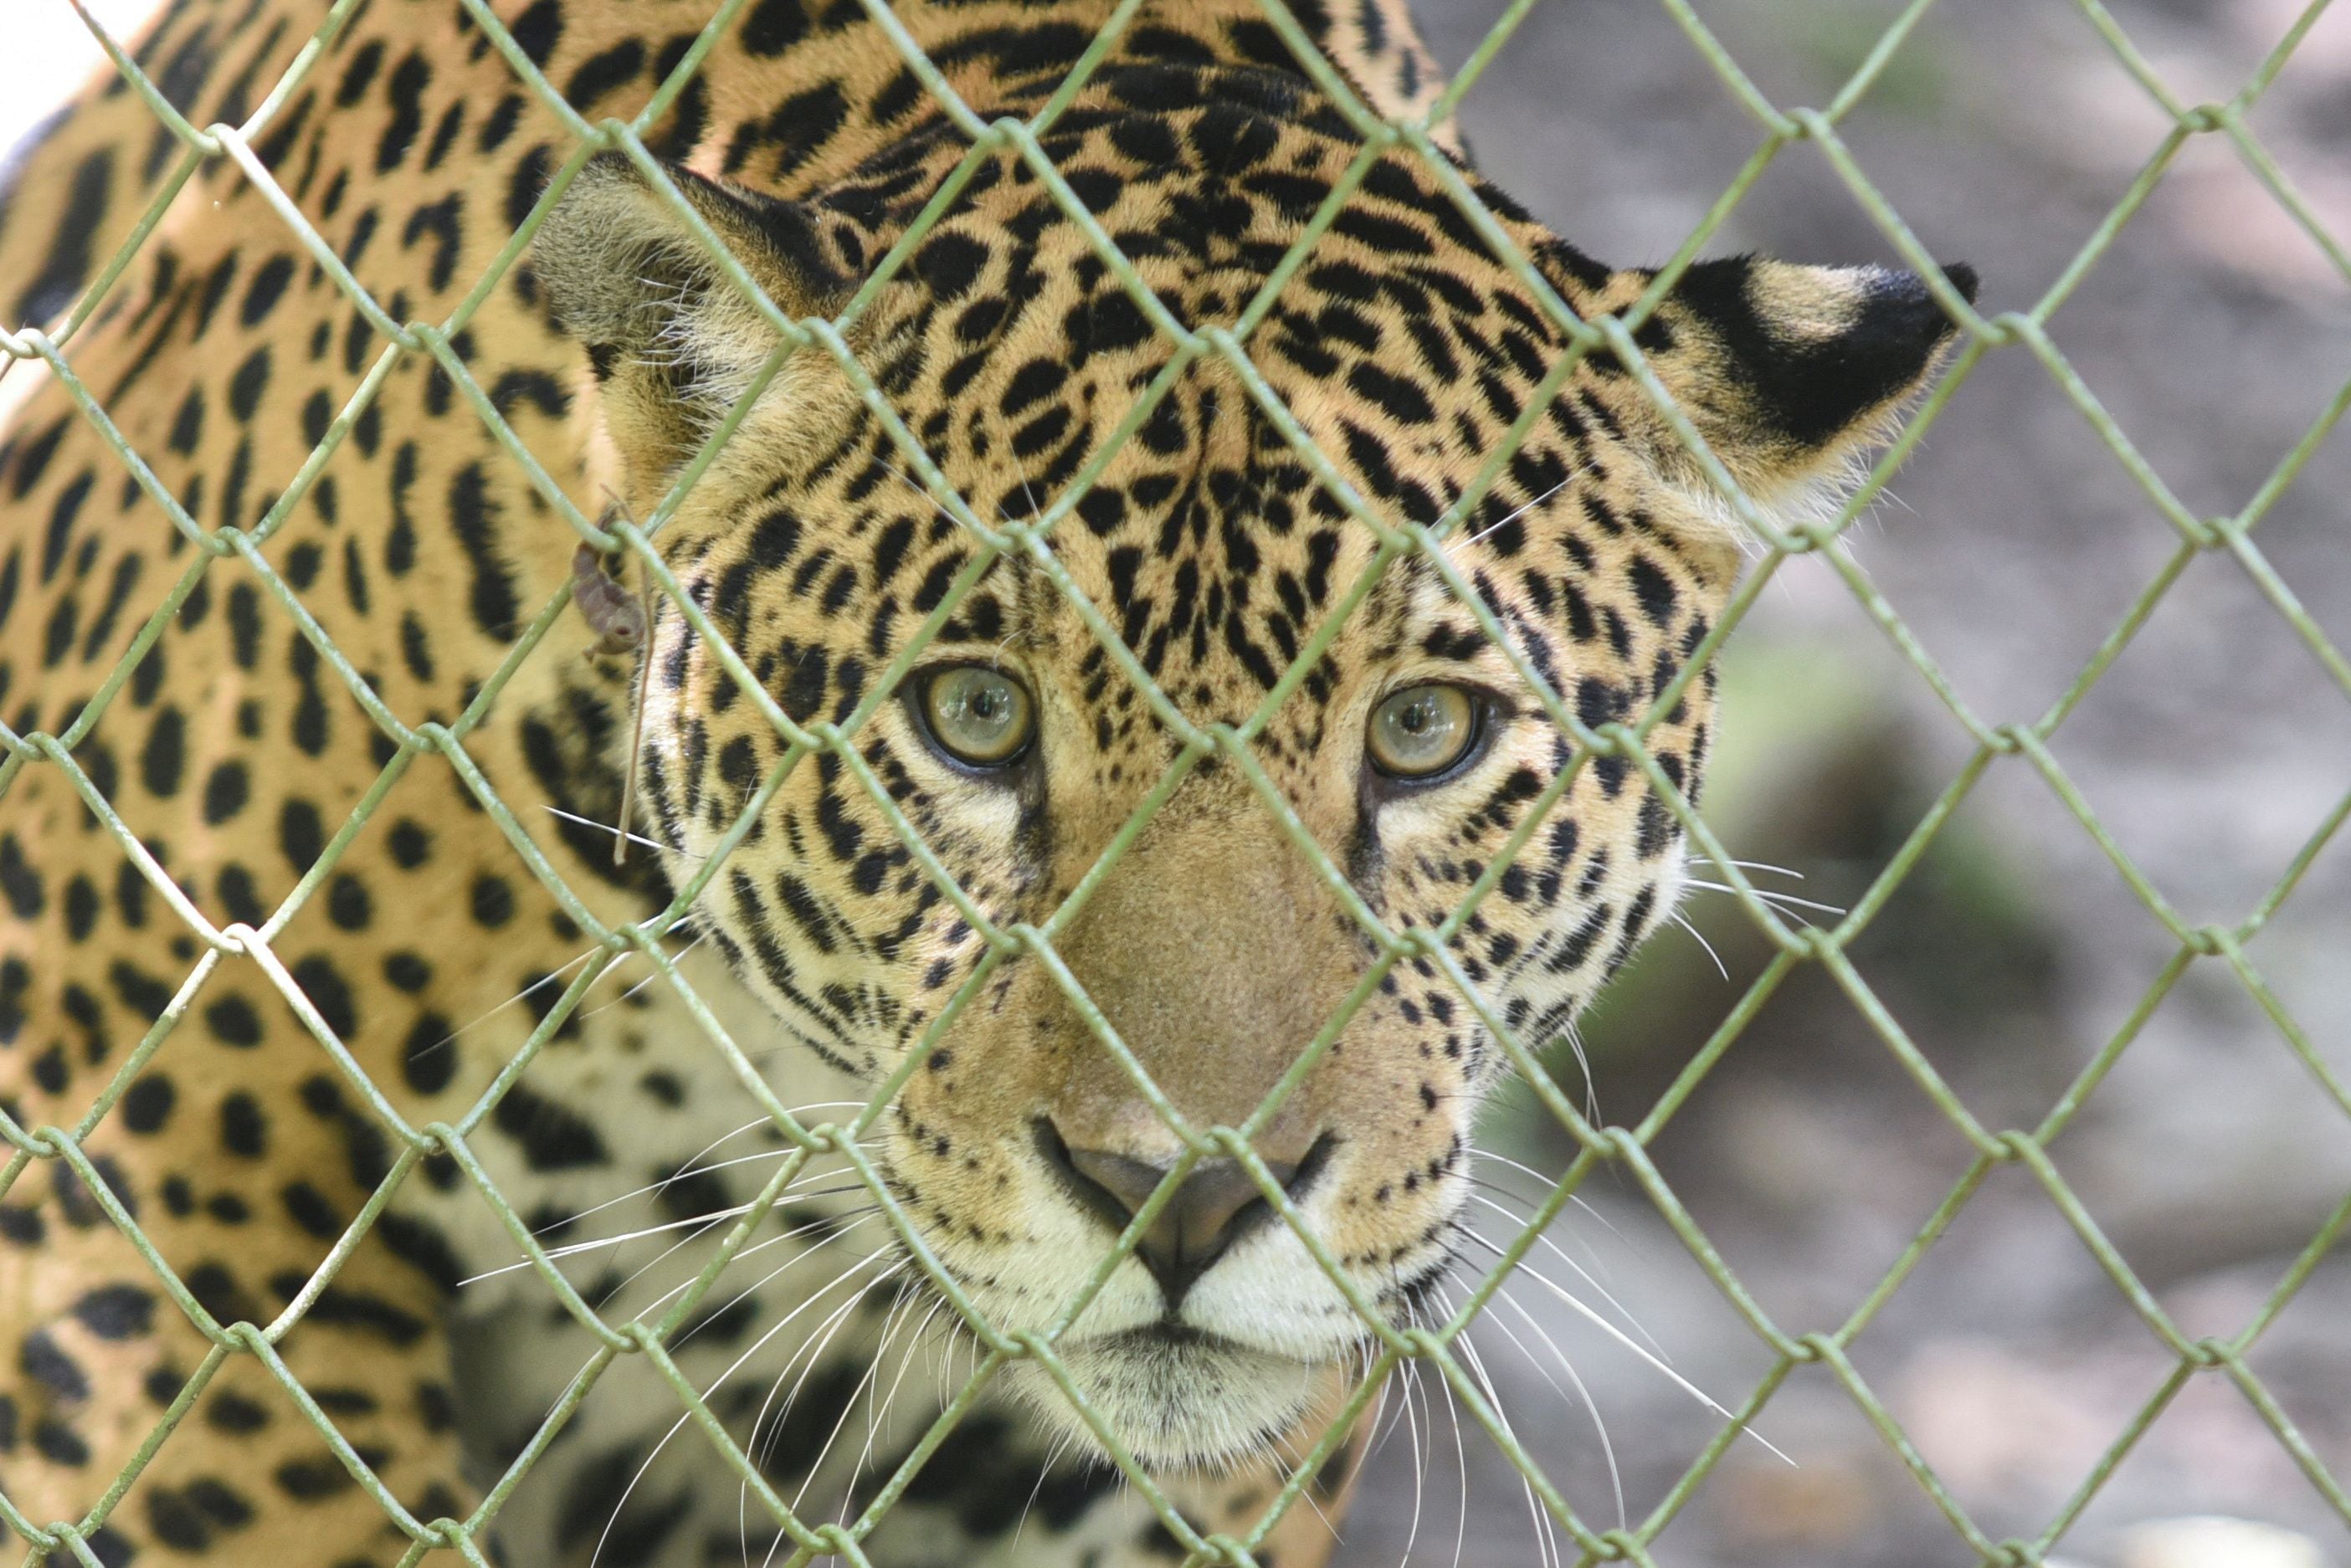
905,1362
1390,1418
632,838
1052,1456
814,1352
902,1310
1598,1274
694,1168
1460,1456
607,1006
574,1248
1546,1541
1767,866
813,1249
1581,1273
820,1339
1776,899
1575,1039
1549,1184
679,1425
686,1169
1619,1335
1411,1390
1289,1461
1582,1393
657,1260
541,984
1521,512
908,480
1677,917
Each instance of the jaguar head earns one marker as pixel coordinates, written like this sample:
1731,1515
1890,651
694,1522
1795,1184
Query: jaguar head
1246,810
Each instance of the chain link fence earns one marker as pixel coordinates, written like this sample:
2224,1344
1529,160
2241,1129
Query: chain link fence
239,551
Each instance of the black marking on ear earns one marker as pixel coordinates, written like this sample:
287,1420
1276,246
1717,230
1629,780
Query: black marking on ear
792,234
1810,389
626,276
69,263
1564,263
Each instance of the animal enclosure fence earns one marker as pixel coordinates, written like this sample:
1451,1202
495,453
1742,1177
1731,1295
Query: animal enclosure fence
232,550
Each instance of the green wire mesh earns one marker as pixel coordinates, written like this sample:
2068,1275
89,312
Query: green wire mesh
1623,1148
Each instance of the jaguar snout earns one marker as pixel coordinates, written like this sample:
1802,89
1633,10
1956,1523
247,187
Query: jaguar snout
1217,1205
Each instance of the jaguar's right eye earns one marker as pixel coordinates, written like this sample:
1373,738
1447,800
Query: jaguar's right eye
978,716
1423,732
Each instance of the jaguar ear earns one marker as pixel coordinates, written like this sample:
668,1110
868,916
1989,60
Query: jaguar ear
673,342
1793,372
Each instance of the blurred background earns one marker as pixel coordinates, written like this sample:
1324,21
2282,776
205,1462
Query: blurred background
2214,750
2217,746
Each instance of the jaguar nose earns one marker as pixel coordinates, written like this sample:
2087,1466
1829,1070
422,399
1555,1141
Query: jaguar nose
1216,1205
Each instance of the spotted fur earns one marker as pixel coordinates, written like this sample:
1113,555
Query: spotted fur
236,751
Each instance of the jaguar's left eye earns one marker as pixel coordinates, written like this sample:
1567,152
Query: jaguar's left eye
981,717
1422,731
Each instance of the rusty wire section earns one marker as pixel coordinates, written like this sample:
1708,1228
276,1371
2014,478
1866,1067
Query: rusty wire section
238,550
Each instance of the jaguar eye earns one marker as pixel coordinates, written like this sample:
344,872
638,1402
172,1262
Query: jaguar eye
1422,730
980,717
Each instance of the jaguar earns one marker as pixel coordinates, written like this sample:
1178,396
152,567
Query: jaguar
1099,694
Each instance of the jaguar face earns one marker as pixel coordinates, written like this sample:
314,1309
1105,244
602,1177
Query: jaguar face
1305,687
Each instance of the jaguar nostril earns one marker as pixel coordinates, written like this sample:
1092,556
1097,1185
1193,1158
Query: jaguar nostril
1217,1203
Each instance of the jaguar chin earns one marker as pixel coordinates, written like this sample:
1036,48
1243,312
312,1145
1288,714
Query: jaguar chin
1179,1400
